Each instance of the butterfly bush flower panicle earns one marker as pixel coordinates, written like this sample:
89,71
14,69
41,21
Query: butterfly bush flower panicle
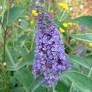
50,58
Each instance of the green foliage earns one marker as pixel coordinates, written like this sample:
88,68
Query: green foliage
17,35
84,37
12,15
83,61
62,86
84,20
25,78
81,81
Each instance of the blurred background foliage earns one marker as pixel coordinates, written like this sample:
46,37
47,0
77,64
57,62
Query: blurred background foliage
17,33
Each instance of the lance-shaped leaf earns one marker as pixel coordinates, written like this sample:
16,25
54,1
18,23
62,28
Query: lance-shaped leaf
83,61
80,81
85,20
84,37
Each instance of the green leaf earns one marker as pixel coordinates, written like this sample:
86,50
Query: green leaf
24,25
85,20
10,60
38,88
17,89
25,77
12,65
84,37
12,15
79,80
83,61
62,87
29,57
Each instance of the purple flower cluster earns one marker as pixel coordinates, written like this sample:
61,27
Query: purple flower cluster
50,57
